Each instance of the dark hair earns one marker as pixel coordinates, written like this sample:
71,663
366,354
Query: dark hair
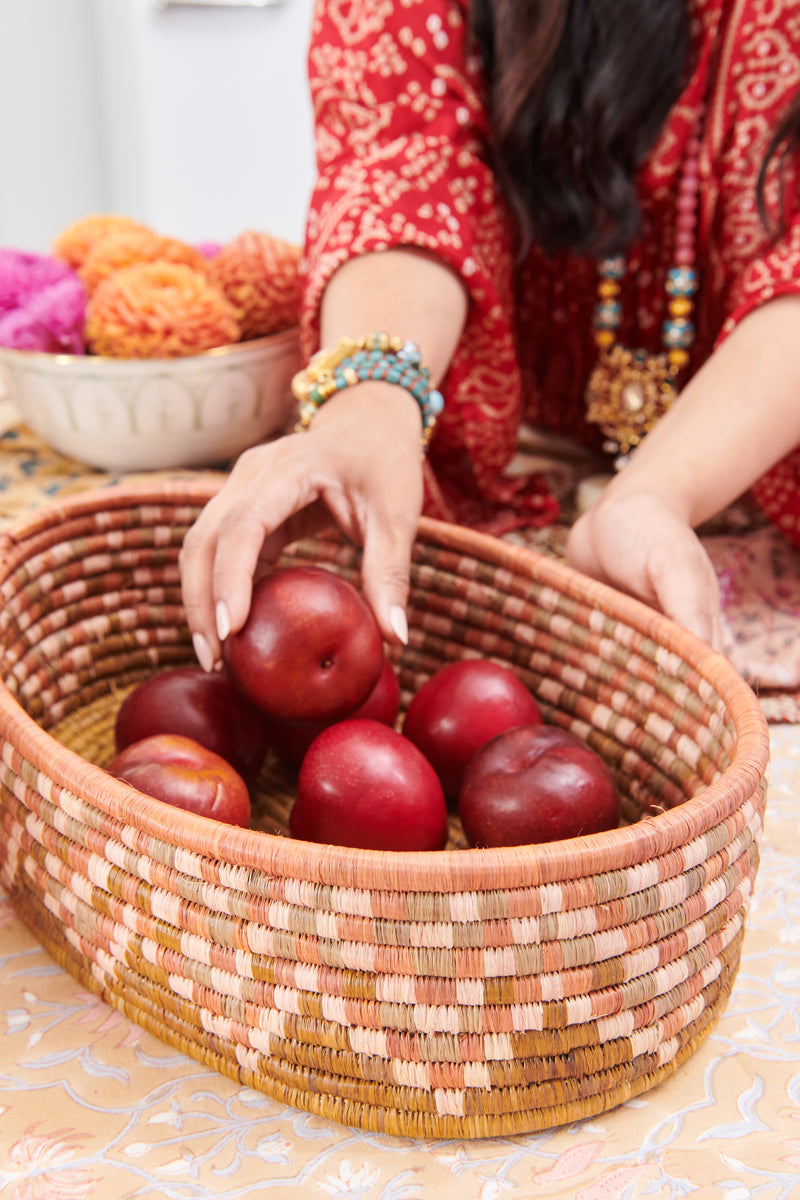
580,90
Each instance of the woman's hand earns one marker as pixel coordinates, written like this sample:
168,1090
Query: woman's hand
359,466
735,418
637,544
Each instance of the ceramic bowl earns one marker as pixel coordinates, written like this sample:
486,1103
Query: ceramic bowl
156,414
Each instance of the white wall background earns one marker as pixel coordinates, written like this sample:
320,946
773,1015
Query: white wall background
195,120
50,144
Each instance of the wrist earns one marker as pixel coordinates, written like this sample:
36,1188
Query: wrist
666,488
375,357
373,403
375,421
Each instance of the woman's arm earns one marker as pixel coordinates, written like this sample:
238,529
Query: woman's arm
360,464
404,291
738,416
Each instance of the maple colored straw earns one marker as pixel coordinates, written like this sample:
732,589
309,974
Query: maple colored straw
463,993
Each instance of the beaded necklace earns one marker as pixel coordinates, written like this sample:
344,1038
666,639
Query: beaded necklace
629,390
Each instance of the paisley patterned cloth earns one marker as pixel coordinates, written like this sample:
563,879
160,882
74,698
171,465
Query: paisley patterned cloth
402,129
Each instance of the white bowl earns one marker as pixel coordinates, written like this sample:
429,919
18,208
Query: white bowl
155,414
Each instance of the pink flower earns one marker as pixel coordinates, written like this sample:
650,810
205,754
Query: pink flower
23,274
570,1164
208,250
50,320
97,1010
41,1161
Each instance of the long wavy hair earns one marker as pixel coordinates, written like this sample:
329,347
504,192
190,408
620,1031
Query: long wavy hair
579,92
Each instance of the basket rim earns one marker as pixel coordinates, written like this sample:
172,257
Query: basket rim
445,870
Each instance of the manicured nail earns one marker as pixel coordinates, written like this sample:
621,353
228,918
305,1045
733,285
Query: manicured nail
399,622
223,621
203,651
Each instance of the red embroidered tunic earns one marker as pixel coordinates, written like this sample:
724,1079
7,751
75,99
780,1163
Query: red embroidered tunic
402,129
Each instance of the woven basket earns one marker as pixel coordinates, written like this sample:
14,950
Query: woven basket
464,993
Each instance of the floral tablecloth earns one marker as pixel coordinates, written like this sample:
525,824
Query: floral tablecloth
94,1108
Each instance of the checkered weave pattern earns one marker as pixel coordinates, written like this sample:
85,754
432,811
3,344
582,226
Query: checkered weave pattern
466,993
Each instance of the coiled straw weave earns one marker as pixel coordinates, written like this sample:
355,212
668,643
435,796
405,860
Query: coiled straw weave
464,993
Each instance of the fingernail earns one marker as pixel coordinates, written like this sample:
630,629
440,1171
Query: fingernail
399,622
223,621
203,651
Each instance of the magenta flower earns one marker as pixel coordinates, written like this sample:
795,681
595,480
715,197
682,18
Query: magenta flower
51,320
23,274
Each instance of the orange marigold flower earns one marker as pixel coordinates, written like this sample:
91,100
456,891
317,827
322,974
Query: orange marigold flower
129,246
75,242
258,274
158,310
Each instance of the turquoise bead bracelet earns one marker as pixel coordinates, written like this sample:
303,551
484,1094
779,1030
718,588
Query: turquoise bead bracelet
375,356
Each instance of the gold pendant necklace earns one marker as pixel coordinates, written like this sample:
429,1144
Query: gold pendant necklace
630,390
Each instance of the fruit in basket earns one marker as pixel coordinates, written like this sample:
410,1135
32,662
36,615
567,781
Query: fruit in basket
183,773
460,708
383,702
362,784
204,706
536,783
291,739
310,649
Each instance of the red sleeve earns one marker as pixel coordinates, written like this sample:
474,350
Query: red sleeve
776,273
401,142
758,76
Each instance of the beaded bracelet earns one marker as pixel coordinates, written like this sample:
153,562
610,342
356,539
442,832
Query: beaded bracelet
355,360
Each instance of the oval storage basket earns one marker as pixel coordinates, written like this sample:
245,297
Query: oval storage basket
465,993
